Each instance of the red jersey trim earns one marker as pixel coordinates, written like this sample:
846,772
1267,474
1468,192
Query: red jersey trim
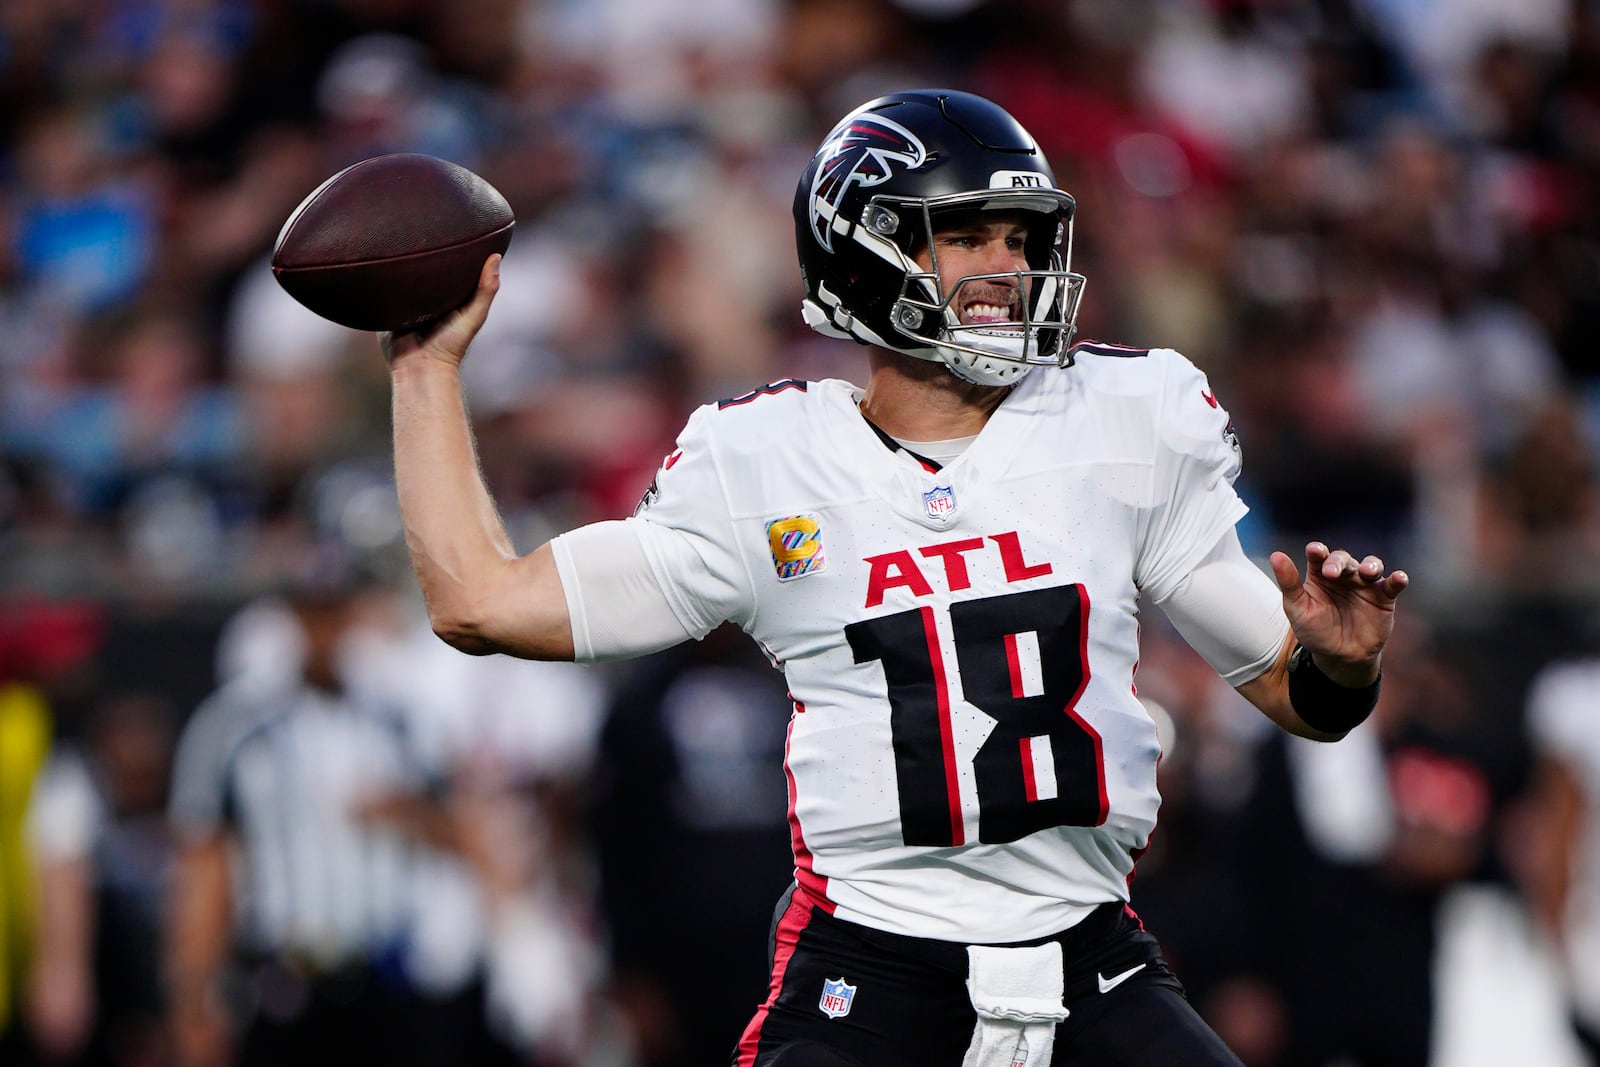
947,740
805,876
770,389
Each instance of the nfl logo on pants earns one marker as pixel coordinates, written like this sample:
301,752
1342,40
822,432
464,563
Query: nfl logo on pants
836,997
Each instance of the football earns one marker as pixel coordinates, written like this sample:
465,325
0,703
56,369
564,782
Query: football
391,242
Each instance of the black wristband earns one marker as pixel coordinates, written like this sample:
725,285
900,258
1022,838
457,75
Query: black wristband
1322,703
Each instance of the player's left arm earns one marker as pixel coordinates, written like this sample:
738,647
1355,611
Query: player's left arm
1308,652
1248,628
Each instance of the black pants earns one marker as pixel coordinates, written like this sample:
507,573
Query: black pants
906,1001
355,1015
1589,1038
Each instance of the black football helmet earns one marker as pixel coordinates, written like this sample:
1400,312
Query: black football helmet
870,200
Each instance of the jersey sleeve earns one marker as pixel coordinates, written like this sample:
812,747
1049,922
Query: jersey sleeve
65,815
1197,459
617,606
198,806
1229,612
684,531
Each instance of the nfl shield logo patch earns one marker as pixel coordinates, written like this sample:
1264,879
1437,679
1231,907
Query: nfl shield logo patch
837,996
940,502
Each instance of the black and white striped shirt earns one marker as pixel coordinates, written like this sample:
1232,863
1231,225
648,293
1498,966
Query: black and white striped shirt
281,770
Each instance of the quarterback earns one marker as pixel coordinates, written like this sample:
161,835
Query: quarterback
948,565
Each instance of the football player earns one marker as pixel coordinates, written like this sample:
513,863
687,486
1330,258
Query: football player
948,566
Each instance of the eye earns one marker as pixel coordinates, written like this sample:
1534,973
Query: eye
1016,244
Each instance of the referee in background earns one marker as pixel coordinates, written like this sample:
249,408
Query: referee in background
290,900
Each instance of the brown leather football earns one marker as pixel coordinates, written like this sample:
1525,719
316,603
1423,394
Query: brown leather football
391,242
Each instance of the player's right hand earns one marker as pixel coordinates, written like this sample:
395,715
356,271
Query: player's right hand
446,339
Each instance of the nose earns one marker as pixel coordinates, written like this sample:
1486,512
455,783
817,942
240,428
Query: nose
1000,259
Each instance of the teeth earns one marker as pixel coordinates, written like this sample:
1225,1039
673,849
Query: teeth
992,312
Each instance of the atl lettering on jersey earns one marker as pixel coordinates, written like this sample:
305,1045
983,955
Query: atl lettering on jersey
899,569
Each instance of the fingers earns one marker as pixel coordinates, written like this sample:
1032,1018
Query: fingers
1286,573
477,309
1395,584
1335,565
447,338
488,283
1339,566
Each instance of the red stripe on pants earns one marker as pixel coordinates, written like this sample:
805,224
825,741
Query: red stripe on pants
796,917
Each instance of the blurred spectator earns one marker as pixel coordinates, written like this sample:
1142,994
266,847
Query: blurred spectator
693,843
1442,39
1212,67
146,411
506,947
655,56
291,370
24,744
379,93
289,905
1539,528
501,947
1388,824
46,658
98,833
1560,851
85,229
1381,896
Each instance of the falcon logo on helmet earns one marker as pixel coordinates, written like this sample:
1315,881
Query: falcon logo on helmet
862,150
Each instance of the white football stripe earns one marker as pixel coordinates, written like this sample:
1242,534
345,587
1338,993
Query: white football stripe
1044,767
1029,667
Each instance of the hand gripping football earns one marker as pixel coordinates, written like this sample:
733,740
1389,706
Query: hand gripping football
391,242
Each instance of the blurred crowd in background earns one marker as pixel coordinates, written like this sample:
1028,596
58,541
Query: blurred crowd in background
1374,223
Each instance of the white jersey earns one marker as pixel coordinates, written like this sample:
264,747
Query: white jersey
1564,721
967,759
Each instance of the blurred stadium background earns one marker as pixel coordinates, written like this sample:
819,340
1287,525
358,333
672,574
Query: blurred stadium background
1374,223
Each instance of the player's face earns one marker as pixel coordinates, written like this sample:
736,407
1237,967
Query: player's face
979,242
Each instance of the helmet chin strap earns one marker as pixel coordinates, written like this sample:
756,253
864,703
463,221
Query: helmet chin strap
1001,359
984,370
1004,367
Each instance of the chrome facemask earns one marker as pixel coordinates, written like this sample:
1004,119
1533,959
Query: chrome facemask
986,353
